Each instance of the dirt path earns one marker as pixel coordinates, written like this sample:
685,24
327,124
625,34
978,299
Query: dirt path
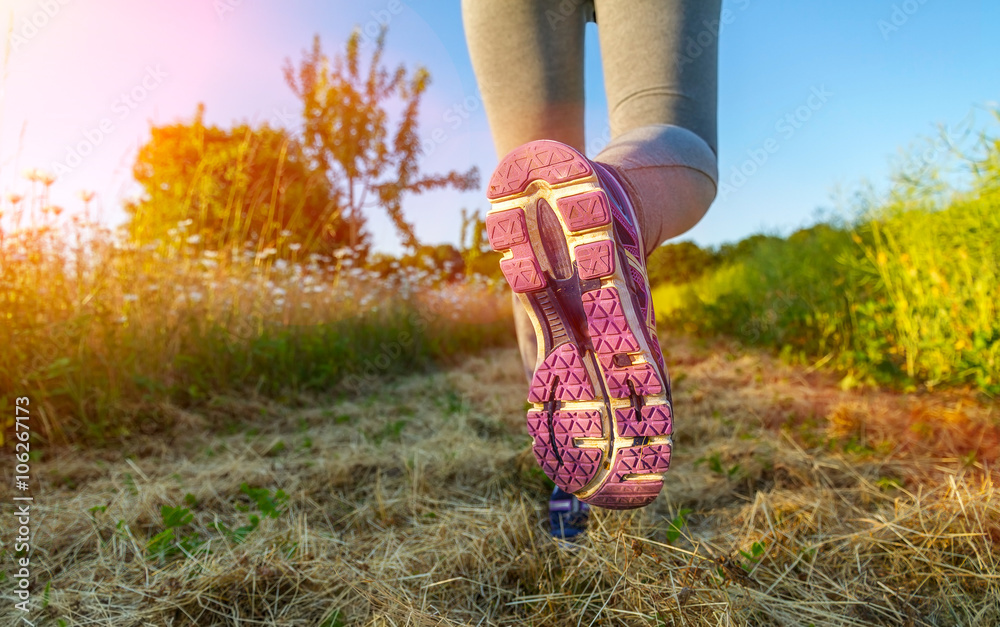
792,502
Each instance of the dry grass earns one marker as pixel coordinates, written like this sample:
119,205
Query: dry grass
421,505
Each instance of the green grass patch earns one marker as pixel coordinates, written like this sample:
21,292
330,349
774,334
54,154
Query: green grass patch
104,335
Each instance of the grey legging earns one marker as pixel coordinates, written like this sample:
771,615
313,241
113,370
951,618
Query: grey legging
660,68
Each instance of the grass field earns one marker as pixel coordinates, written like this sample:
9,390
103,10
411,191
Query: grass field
102,330
790,502
247,435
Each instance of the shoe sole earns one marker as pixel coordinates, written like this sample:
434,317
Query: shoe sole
601,417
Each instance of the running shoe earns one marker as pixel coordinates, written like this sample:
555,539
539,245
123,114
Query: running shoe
600,411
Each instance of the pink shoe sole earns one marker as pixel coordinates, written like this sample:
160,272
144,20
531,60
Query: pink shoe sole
601,417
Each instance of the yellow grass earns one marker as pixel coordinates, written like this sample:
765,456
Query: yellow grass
421,505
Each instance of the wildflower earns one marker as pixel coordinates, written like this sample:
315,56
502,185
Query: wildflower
130,298
194,297
36,175
286,233
278,291
194,239
280,264
279,302
86,195
340,253
294,247
183,224
15,198
211,254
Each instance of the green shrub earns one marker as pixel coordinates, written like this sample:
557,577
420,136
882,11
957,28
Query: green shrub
905,294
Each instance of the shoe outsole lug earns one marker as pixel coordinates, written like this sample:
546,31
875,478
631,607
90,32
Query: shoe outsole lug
585,211
655,420
563,368
568,466
523,274
506,229
542,160
595,260
627,495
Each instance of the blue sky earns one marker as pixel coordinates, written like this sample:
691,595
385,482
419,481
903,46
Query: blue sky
888,72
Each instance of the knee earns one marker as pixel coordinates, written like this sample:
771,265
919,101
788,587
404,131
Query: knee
672,199
697,192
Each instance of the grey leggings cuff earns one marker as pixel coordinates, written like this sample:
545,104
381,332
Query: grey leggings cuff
661,145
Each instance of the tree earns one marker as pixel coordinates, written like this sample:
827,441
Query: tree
347,135
234,185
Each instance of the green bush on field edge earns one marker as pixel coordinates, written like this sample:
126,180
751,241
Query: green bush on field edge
905,294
